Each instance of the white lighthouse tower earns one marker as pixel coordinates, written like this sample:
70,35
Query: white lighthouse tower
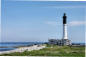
64,40
65,27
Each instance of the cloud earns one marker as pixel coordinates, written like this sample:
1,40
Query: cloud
54,6
66,6
77,23
52,23
47,0
72,23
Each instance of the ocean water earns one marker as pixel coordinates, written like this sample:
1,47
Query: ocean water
5,46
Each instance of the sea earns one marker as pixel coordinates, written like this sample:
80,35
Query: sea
6,46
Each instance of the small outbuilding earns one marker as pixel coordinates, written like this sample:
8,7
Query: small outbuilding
59,42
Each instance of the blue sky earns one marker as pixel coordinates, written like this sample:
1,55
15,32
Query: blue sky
28,21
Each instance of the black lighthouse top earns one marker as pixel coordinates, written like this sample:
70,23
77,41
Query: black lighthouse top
64,19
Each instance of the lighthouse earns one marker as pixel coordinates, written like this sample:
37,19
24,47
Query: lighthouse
65,26
64,40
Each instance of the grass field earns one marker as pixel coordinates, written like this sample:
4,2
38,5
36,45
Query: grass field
53,50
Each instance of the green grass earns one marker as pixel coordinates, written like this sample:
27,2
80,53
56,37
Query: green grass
52,50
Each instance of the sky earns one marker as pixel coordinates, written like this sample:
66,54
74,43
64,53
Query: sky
29,21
